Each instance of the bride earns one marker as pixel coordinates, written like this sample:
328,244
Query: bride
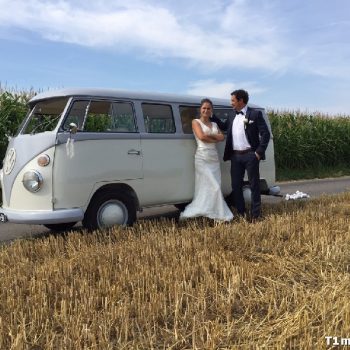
208,199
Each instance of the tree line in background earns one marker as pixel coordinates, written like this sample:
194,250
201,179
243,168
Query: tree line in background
302,141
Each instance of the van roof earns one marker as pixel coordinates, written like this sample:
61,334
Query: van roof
125,94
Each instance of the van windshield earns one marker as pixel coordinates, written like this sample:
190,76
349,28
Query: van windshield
44,116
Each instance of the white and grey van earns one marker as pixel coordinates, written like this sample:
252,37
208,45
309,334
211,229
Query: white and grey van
99,156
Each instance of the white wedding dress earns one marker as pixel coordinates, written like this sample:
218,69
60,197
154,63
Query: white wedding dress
208,199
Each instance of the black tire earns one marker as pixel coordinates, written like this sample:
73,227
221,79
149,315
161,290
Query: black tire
230,200
60,227
108,208
181,206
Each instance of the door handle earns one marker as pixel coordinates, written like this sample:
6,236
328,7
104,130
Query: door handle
134,151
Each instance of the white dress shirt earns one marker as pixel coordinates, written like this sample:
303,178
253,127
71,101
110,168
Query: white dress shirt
240,141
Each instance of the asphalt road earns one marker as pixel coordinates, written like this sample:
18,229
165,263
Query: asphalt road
314,188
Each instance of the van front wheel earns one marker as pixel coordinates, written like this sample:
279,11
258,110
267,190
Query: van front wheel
108,209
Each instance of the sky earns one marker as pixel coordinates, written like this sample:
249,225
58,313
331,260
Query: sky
288,54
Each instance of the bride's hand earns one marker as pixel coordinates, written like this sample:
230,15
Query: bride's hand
219,137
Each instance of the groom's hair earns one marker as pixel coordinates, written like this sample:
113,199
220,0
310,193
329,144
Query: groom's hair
241,95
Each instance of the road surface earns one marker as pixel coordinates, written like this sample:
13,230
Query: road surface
314,188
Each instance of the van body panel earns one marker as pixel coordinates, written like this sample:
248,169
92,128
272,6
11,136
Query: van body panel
168,167
169,164
22,199
105,160
225,168
38,217
267,166
127,95
26,147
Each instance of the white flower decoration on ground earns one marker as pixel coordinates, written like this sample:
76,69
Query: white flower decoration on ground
296,195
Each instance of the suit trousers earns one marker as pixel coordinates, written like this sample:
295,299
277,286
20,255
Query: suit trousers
239,164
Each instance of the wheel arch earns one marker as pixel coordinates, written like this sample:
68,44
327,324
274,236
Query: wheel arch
122,187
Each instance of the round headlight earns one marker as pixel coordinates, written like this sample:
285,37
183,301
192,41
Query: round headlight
32,180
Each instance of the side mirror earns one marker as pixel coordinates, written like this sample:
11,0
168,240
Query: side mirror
73,128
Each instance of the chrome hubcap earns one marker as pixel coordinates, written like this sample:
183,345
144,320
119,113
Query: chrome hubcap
247,193
112,212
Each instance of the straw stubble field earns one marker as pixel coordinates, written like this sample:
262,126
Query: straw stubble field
280,283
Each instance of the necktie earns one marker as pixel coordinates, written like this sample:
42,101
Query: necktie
240,112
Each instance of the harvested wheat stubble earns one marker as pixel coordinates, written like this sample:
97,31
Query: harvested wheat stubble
279,283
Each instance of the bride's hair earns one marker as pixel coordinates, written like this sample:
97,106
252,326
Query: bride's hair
207,100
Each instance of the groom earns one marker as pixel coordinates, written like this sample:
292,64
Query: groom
246,142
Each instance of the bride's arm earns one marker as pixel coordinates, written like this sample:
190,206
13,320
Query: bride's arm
219,136
201,135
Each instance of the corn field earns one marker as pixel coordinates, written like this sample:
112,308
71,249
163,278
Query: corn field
282,283
304,141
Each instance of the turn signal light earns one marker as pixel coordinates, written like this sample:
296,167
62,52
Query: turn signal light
43,160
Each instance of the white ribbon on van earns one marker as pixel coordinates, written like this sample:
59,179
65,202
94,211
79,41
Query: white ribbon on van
70,147
73,128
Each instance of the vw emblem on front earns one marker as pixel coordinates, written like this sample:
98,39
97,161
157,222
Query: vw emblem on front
10,161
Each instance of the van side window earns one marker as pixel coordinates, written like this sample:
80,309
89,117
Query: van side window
158,118
223,113
123,117
188,113
102,116
77,114
98,117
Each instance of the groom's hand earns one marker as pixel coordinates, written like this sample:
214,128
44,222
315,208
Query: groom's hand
257,156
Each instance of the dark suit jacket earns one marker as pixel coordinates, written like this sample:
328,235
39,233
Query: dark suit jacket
256,130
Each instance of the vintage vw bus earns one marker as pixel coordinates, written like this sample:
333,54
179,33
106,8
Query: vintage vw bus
99,156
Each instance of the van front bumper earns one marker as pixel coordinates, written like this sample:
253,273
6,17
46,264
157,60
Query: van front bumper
41,217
